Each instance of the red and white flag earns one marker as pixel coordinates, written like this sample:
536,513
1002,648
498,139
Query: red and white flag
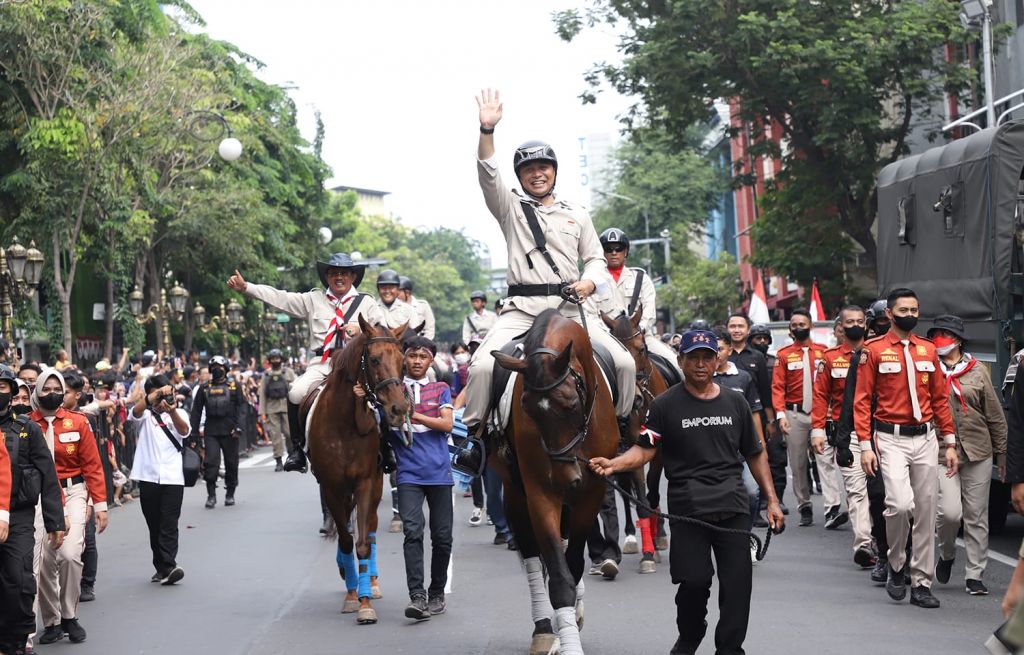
817,309
758,311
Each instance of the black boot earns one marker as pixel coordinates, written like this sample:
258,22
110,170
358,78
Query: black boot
211,494
278,465
297,460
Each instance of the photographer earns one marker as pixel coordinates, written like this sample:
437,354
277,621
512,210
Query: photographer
157,468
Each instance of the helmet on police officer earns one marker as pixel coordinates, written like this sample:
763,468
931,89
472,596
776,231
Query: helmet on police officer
760,330
388,276
478,295
275,353
6,373
218,360
404,283
876,310
614,235
699,324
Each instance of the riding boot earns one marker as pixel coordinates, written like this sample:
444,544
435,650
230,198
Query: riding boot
297,459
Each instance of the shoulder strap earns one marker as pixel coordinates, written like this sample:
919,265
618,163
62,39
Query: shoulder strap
163,426
538,234
355,306
472,325
636,291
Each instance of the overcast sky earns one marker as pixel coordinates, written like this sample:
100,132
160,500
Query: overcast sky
395,82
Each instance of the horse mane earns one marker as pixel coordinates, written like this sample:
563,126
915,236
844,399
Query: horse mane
622,327
345,361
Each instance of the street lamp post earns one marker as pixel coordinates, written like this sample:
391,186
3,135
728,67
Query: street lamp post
231,319
20,272
977,14
172,304
206,125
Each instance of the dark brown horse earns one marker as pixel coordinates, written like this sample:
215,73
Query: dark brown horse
344,446
561,411
650,384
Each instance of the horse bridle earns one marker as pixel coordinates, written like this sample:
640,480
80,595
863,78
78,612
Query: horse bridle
587,403
364,371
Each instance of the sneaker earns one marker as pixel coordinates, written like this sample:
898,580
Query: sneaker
806,517
595,569
500,539
417,609
864,558
157,577
943,569
511,543
976,588
211,502
88,593
896,584
436,605
229,501
629,546
76,633
175,575
476,518
922,597
52,634
609,569
834,518
880,573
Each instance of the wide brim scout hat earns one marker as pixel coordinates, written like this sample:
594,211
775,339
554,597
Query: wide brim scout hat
952,324
340,260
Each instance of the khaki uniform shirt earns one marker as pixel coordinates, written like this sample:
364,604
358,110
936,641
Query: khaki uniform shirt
275,405
314,307
483,322
425,315
570,235
398,314
981,428
627,281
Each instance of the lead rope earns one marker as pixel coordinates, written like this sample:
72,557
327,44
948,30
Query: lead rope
571,295
761,548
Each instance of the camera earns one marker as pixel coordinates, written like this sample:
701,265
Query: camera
168,398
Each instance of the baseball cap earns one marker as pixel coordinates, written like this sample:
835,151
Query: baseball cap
696,339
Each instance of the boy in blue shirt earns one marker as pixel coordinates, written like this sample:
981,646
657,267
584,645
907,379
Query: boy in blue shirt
424,473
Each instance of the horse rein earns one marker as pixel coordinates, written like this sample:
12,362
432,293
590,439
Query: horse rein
364,371
562,454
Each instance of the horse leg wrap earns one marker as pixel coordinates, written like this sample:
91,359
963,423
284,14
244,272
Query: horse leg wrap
540,603
372,538
347,562
580,588
568,633
364,582
647,528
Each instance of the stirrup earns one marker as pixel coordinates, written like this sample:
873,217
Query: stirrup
471,458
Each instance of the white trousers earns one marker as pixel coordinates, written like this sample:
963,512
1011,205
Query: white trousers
314,375
856,484
797,443
59,572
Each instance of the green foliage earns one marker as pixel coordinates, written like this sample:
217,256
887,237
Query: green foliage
844,82
701,288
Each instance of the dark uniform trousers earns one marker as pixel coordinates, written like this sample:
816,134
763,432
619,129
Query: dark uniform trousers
90,556
691,567
161,505
215,445
17,584
605,545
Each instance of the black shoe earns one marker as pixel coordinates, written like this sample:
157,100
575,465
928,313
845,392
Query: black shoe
759,521
782,506
880,573
417,609
229,501
511,543
436,605
500,539
296,461
922,597
834,518
278,466
88,594
211,502
52,634
943,569
681,648
806,517
864,558
896,584
157,577
976,588
76,633
175,575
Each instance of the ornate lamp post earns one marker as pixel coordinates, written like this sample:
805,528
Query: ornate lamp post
20,271
162,311
231,319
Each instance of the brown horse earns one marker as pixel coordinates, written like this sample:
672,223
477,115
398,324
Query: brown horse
344,445
650,384
562,411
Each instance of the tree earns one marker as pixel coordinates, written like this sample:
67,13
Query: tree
701,288
846,83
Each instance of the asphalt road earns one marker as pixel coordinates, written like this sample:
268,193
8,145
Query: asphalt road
260,580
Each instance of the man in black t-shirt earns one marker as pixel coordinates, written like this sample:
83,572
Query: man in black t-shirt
705,434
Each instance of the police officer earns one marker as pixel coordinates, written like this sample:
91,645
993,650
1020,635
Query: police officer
760,338
32,475
396,311
636,289
274,403
901,370
221,397
423,314
333,317
479,322
877,320
543,259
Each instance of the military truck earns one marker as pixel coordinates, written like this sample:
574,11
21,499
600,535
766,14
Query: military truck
951,227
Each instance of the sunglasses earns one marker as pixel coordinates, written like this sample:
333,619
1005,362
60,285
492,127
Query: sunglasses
615,249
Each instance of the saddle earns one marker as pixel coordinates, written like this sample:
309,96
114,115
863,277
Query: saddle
666,368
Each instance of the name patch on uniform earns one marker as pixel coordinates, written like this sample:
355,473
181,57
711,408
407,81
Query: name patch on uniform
840,373
69,437
217,391
795,366
890,358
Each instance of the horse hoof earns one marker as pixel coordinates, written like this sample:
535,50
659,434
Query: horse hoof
544,644
648,566
630,546
350,607
375,592
661,543
579,615
396,526
366,616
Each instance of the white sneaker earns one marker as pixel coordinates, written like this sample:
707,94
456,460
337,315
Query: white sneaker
477,517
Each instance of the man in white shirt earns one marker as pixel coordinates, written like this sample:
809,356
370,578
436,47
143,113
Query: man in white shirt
163,429
421,308
479,323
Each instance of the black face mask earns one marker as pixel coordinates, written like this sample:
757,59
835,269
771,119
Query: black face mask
881,328
5,402
21,409
218,374
802,334
854,333
275,365
905,323
763,347
51,401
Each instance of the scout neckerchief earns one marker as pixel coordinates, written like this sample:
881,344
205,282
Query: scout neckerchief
339,318
953,375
